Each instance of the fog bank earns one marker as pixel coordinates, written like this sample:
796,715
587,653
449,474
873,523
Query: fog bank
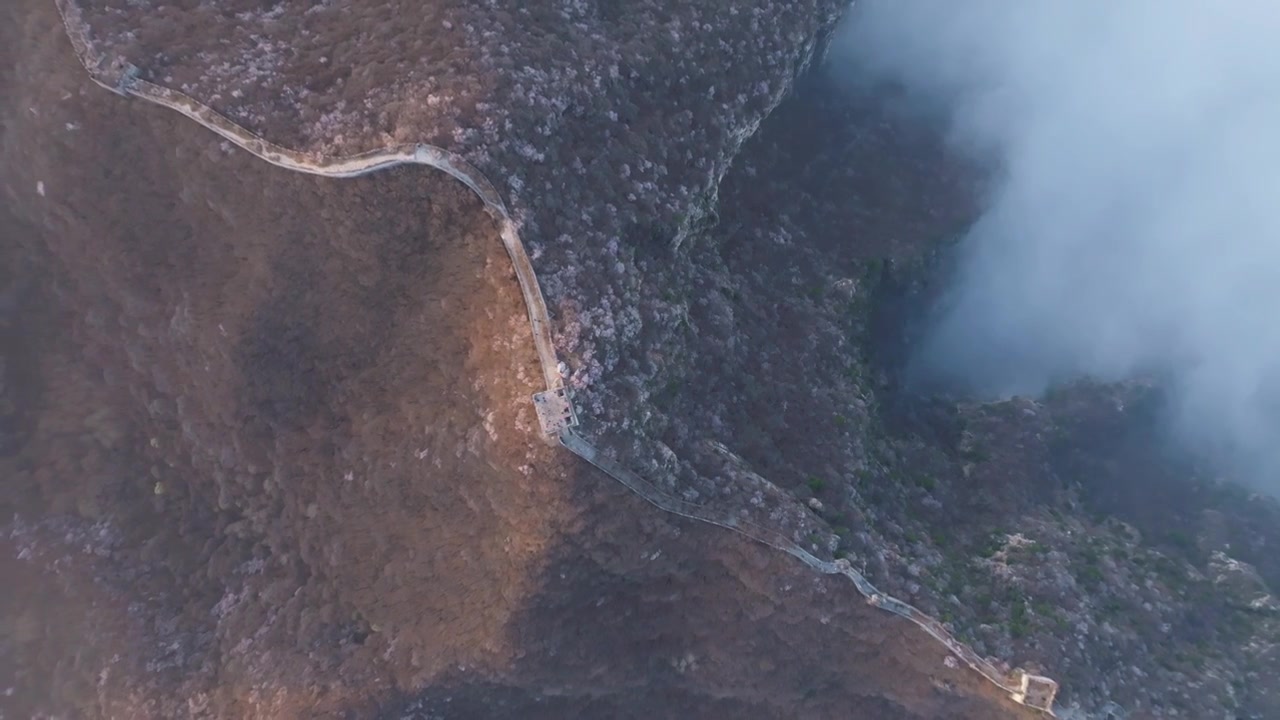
1133,222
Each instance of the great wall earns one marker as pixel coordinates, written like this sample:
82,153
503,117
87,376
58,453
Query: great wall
554,405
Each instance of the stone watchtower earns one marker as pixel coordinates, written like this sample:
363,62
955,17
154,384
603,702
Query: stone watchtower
1036,691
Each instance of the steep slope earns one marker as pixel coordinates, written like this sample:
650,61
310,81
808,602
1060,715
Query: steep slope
272,456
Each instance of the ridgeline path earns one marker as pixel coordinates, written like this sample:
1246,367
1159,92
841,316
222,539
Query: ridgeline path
554,405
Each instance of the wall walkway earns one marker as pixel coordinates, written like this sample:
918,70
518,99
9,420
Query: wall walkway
554,405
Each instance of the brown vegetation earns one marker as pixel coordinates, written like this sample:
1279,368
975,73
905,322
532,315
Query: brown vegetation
269,453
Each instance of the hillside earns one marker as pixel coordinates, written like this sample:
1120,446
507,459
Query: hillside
267,440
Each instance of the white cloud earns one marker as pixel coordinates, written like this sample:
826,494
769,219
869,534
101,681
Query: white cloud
1134,222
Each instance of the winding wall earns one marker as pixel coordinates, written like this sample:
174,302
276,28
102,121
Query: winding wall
123,79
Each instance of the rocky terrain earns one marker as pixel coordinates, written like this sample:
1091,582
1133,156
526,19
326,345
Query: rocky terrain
266,439
1063,533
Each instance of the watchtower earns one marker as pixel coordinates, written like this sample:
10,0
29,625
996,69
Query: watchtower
1036,691
555,411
